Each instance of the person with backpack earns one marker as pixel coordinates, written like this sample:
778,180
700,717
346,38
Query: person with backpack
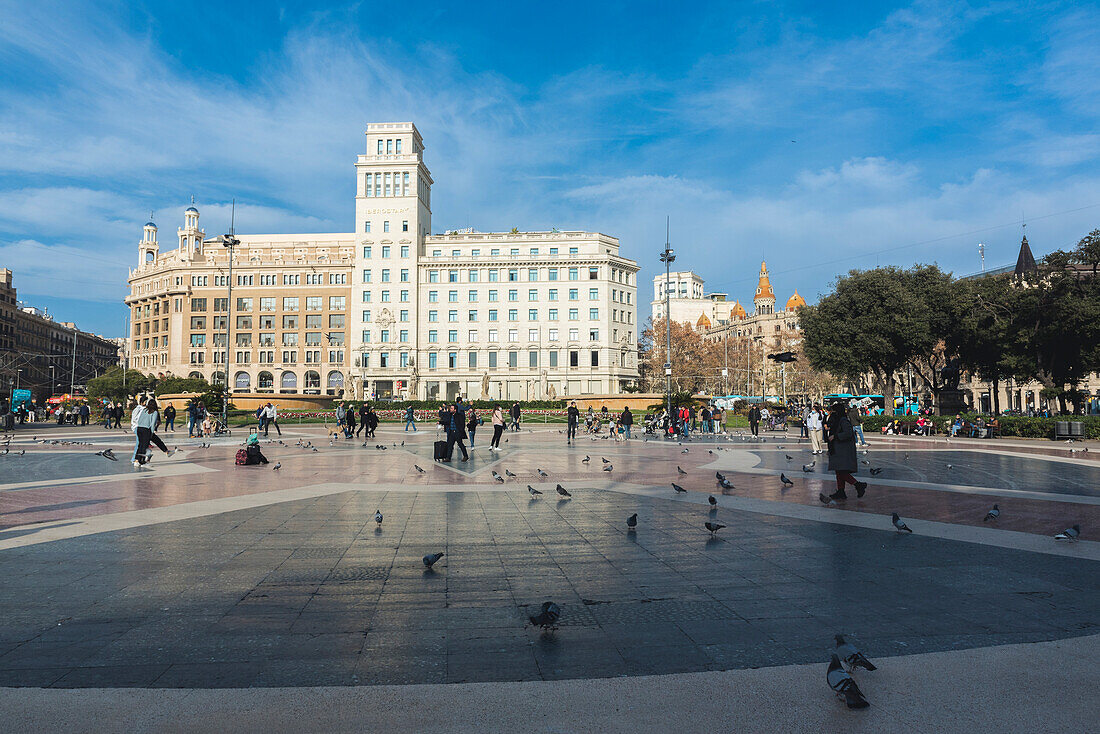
410,419
472,422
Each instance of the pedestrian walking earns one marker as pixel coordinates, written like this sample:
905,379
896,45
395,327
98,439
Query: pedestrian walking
498,428
372,421
349,422
170,418
456,431
515,416
410,418
271,418
855,417
815,424
472,422
572,419
754,420
364,419
842,452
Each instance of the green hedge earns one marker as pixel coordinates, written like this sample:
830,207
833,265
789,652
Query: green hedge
1011,425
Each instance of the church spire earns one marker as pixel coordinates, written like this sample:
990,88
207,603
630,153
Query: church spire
764,299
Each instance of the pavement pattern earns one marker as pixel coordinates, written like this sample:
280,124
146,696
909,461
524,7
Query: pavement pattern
199,574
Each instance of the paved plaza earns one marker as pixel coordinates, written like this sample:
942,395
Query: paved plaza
197,574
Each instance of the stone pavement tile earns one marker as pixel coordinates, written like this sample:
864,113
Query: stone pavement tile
209,675
112,676
332,622
51,654
721,632
736,656
642,633
290,673
513,665
399,669
243,620
661,659
31,677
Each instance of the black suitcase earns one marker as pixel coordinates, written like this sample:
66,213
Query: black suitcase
440,450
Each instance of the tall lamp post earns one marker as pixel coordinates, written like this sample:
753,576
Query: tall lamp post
228,241
667,257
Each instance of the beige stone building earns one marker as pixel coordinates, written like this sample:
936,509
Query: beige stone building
390,310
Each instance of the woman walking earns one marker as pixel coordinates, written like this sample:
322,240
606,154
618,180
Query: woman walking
349,418
842,452
498,428
145,419
364,416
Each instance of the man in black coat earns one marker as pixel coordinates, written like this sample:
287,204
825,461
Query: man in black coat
573,419
515,416
754,420
626,420
455,423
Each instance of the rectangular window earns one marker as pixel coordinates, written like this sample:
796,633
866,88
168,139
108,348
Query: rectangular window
513,295
553,251
552,294
452,360
532,359
290,338
244,322
513,275
290,357
404,250
513,359
492,314
366,338
593,273
313,303
403,315
433,276
472,297
532,335
337,278
452,315
595,358
403,359
433,359
433,296
471,335
433,315
198,340
513,314
472,276
492,360
452,276
494,275
385,275
383,359
404,296
386,248
290,322
386,224
366,228
574,359
290,303
593,313
366,297
452,335
532,295
533,274
552,274
198,304
593,335
385,296
553,358
552,315
574,335
574,314
573,274
383,336
471,360
404,275
403,336
471,316
267,304
532,314
552,335
513,336
336,321
492,335
492,296
405,223
574,294
244,340
593,294
452,296
221,304
198,322
433,336
244,304
336,303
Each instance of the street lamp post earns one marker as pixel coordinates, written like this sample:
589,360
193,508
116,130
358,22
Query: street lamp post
228,241
667,257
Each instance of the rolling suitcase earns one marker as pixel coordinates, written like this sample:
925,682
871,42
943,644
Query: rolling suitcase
440,453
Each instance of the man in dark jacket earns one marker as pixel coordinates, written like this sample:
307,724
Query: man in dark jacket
573,418
842,451
515,416
170,418
456,432
626,420
754,420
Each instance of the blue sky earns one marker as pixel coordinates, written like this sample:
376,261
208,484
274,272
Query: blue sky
821,136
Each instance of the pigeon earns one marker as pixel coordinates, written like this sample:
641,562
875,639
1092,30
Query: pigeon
315,451
418,469
827,501
684,451
107,454
809,467
22,452
725,484
586,459
542,473
719,476
563,491
864,461
900,524
431,558
789,457
850,655
713,527
786,482
713,502
992,514
378,516
844,686
604,460
278,466
950,467
632,521
498,477
680,471
609,467
678,488
876,470
1069,533
508,473
547,616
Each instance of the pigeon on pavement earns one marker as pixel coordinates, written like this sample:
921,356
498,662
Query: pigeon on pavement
632,521
107,454
378,516
713,502
604,460
609,467
534,492
789,457
725,483
431,558
809,467
713,527
684,451
719,476
678,488
900,524
844,686
1069,533
563,491
680,471
278,466
586,459
509,473
498,477
418,469
786,482
547,616
850,655
992,514
542,473
827,501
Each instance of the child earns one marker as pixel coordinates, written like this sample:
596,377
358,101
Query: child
206,426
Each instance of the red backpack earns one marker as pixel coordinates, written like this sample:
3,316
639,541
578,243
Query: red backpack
242,457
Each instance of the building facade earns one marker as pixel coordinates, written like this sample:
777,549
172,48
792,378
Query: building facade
390,310
717,319
42,355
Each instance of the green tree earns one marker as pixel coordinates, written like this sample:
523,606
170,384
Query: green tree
118,385
176,385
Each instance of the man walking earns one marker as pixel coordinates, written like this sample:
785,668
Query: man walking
754,420
626,420
410,419
170,418
573,418
515,416
814,424
856,420
271,419
456,432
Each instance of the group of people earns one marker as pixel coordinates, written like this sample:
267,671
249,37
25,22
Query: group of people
815,422
618,426
352,427
980,428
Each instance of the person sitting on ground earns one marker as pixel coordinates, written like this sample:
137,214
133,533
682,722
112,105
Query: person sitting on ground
252,447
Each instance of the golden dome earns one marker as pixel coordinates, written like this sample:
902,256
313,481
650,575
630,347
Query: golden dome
738,311
703,321
794,302
764,286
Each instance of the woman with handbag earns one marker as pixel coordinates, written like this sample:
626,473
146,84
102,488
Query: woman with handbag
498,428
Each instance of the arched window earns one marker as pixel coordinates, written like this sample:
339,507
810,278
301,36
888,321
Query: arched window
313,382
266,381
242,381
335,384
195,376
289,381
